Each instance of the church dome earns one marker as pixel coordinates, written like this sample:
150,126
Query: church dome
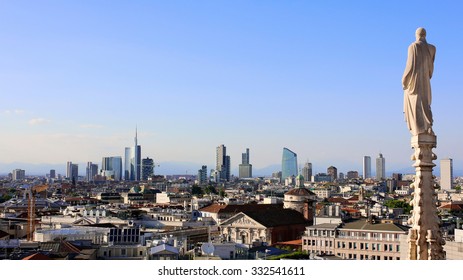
300,192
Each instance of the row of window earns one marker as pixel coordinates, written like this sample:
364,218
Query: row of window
368,235
355,256
366,257
353,245
368,246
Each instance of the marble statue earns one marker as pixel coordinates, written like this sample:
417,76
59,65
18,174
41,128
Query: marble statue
417,85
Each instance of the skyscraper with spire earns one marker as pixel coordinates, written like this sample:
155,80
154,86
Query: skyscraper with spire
132,166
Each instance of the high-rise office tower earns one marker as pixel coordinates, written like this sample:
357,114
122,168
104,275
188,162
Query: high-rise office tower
72,171
91,171
147,167
111,168
202,176
19,174
366,167
380,167
307,171
352,175
333,172
222,163
288,164
245,169
446,174
52,173
132,168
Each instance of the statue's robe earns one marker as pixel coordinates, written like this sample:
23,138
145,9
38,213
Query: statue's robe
416,83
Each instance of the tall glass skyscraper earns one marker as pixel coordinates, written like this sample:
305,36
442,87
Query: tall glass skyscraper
111,167
132,169
223,163
288,164
147,168
366,167
380,167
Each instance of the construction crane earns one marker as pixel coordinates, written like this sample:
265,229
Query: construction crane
31,192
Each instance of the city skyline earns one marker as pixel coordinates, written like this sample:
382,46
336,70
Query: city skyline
322,81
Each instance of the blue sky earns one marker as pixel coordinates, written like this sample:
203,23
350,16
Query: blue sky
321,78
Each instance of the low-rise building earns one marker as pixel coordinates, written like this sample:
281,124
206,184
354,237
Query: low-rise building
357,240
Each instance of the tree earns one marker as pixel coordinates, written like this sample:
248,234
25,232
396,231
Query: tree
196,190
395,203
210,189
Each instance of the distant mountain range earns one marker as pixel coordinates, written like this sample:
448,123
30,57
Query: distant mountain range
169,168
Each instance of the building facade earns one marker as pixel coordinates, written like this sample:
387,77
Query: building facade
366,167
72,171
333,172
132,167
19,174
202,176
446,174
147,168
222,163
357,240
111,168
245,168
90,171
307,171
352,175
288,164
380,167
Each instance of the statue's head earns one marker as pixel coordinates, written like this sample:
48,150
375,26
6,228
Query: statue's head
420,33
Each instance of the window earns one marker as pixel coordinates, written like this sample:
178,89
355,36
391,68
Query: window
361,248
397,248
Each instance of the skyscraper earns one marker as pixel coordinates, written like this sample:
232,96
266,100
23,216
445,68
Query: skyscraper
147,166
202,176
307,171
222,163
19,174
333,172
245,169
380,167
366,167
288,164
132,169
72,171
91,171
446,174
111,168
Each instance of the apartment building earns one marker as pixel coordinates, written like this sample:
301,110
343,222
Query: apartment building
357,240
